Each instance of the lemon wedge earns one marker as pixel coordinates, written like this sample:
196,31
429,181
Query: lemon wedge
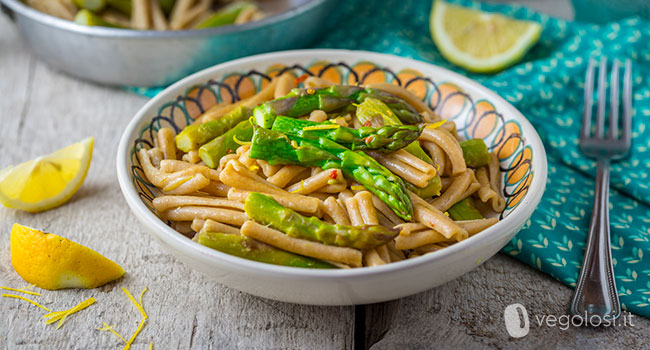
53,262
46,182
479,41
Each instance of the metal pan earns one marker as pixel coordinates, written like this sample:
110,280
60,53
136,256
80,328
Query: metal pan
154,58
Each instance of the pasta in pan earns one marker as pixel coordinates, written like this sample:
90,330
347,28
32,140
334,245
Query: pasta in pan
285,177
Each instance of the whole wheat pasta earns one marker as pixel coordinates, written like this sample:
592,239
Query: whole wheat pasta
225,159
191,14
371,258
183,227
332,208
395,254
182,182
334,188
406,166
433,218
166,143
141,14
455,192
446,141
213,226
366,208
191,157
437,155
490,190
216,188
189,213
317,116
471,189
316,182
384,221
418,239
246,15
352,208
383,253
475,226
304,247
156,156
286,82
413,100
296,202
115,17
316,82
177,16
158,20
386,211
430,248
167,202
171,166
285,175
267,169
410,227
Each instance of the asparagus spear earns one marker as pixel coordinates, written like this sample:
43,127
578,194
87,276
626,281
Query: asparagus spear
250,249
212,151
475,152
194,136
87,18
267,211
385,139
300,102
278,148
464,210
92,5
374,112
224,16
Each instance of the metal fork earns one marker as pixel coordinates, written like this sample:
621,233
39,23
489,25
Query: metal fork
595,293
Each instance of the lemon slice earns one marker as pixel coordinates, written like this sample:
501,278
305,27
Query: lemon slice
46,182
53,262
479,41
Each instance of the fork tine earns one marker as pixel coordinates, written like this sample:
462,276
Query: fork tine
627,102
613,102
602,98
589,92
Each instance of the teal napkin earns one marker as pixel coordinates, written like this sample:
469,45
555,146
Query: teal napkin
547,87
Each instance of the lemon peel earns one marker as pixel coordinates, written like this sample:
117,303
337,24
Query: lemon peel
61,316
27,300
21,291
108,328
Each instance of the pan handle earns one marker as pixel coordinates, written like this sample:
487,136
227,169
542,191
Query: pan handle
7,11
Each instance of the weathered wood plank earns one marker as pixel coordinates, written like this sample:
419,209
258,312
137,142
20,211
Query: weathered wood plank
186,309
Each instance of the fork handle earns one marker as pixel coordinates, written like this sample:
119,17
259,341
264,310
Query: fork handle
595,292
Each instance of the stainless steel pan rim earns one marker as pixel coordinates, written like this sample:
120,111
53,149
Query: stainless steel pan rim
18,7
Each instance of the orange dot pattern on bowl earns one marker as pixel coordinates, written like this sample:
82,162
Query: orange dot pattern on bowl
474,119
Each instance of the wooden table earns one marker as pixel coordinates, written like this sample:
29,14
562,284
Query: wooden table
42,110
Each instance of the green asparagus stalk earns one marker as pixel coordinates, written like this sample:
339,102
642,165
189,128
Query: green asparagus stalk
250,249
91,5
278,148
87,18
375,113
475,152
194,136
212,151
267,211
385,139
301,102
124,6
224,16
464,210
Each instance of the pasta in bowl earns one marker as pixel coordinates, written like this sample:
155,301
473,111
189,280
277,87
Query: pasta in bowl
323,183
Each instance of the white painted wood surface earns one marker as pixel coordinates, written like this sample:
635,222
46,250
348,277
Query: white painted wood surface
42,110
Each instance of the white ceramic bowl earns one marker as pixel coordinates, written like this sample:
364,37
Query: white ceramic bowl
477,111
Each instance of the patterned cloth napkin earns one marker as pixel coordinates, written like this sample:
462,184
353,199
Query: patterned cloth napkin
547,87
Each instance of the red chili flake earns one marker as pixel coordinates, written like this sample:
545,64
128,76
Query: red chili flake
334,174
367,123
302,78
368,139
432,224
228,151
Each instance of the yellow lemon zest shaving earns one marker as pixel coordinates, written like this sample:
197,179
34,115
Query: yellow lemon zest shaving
27,300
239,142
437,166
62,315
177,184
332,182
150,345
436,124
21,291
357,188
302,187
251,120
294,144
108,328
139,306
253,168
447,213
311,91
321,127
